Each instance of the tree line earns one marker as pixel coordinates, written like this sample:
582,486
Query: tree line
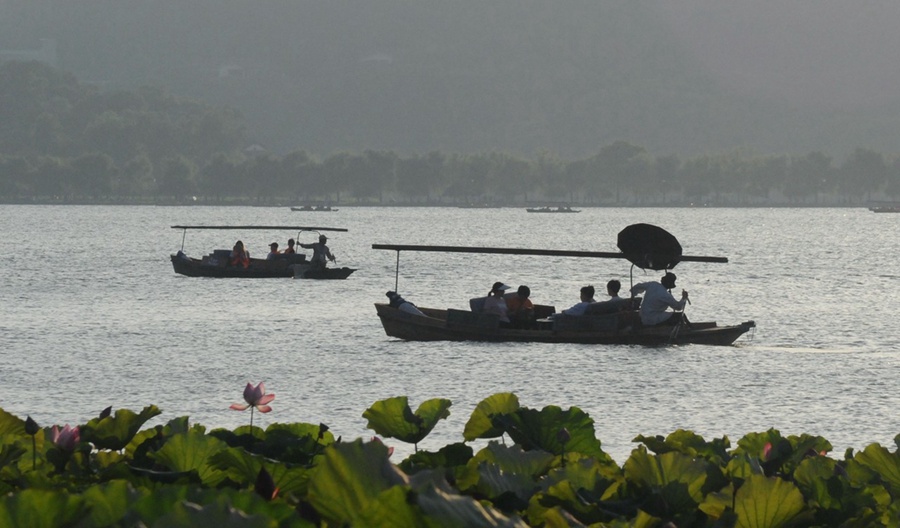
63,141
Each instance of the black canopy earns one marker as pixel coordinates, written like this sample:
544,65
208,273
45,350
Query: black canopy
649,246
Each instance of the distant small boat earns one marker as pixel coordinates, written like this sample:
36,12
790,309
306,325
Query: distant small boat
560,209
885,208
218,263
315,208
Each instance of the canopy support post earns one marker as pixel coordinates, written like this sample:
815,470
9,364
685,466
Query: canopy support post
183,235
397,272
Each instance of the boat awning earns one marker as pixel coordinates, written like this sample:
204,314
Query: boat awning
524,251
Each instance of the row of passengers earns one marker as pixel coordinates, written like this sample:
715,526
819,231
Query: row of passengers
653,311
519,309
321,253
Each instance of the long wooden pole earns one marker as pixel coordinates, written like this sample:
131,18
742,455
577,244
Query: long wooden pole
543,252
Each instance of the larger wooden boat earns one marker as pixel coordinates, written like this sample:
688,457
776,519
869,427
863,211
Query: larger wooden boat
611,329
645,246
218,263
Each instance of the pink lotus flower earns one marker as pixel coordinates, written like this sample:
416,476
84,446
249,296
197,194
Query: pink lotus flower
767,451
255,397
66,438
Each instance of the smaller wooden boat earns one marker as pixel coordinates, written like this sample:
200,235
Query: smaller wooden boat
217,264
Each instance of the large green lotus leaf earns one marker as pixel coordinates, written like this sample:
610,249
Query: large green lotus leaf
754,444
514,459
110,502
451,510
717,503
586,473
116,432
349,477
192,452
450,456
190,515
678,479
393,418
494,482
11,424
36,508
767,502
742,466
689,443
299,429
533,429
243,467
480,424
812,476
392,508
883,462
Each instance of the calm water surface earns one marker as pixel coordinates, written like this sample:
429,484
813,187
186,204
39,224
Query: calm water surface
94,316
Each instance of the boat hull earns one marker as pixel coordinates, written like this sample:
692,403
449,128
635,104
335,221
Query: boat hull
454,325
303,271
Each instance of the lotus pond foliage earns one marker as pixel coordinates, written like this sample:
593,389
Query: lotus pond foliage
532,467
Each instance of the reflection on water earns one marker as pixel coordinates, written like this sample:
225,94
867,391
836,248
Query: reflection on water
94,316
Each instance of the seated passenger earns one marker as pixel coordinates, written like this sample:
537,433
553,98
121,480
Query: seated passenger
520,308
587,297
657,300
495,303
289,250
273,251
239,255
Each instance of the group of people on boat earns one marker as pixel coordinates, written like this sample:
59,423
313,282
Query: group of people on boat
517,311
321,253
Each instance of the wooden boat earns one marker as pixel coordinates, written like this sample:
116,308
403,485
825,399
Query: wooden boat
611,329
315,208
885,208
560,209
617,326
217,263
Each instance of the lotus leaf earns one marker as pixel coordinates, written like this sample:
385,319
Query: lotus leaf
689,443
588,474
116,432
349,477
513,459
11,425
676,479
192,452
190,515
767,502
393,418
461,511
883,462
392,508
450,456
243,467
110,502
534,429
480,424
37,508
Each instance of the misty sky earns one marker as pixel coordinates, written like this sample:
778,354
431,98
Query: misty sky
820,51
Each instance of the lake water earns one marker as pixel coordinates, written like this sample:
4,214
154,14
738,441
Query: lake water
94,316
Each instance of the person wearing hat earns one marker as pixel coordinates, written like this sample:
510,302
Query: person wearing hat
321,253
273,251
657,301
495,303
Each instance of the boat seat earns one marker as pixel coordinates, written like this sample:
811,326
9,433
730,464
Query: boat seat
613,306
458,318
585,323
477,304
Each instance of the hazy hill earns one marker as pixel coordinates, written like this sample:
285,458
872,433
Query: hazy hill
567,76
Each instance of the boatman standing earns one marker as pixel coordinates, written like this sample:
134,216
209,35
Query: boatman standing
321,253
657,300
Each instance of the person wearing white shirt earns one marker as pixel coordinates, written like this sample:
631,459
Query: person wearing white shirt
657,301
